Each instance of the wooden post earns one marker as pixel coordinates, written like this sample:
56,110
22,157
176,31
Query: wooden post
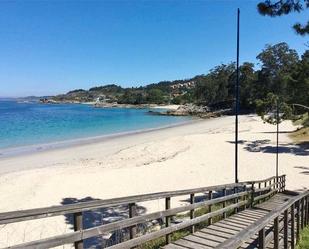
167,219
276,233
262,239
297,220
285,229
260,191
78,225
209,207
245,197
132,213
224,203
307,210
283,183
293,226
236,199
252,194
302,213
278,184
192,200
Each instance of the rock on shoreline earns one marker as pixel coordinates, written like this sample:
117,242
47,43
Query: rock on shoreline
193,110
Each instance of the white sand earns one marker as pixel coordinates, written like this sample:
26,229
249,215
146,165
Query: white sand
192,155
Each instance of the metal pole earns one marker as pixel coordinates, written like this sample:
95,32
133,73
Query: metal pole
237,101
277,151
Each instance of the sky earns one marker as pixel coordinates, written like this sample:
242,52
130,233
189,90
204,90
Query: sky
51,47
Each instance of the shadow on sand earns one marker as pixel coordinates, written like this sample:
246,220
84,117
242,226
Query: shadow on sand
264,146
306,170
99,217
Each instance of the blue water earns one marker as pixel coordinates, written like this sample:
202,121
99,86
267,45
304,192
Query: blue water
34,123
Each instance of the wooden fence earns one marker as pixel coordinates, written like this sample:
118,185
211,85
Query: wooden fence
226,199
287,220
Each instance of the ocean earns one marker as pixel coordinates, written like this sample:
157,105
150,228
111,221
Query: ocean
24,124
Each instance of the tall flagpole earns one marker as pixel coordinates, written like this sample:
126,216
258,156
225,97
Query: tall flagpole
277,149
237,101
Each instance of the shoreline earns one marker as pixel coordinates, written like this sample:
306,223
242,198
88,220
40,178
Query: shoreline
191,155
36,148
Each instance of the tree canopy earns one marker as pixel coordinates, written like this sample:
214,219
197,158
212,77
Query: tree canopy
280,78
284,7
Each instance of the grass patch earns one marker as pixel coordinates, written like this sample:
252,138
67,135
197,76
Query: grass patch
300,135
304,239
301,119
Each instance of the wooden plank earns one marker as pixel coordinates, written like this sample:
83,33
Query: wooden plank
226,226
209,236
250,216
219,234
250,231
256,212
201,241
217,230
233,224
173,246
244,219
189,244
240,221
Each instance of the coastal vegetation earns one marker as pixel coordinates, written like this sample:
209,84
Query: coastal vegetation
280,79
304,239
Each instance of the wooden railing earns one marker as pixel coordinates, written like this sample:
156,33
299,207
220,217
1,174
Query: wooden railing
227,199
287,220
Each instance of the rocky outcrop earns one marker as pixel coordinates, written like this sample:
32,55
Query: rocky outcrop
188,109
193,110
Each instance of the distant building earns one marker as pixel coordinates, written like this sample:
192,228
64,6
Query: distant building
189,84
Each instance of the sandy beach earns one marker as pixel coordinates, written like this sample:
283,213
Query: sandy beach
200,153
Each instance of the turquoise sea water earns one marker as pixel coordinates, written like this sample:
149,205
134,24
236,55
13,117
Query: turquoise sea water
34,123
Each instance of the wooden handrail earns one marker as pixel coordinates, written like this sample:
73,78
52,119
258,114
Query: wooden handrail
243,236
240,198
99,230
38,213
